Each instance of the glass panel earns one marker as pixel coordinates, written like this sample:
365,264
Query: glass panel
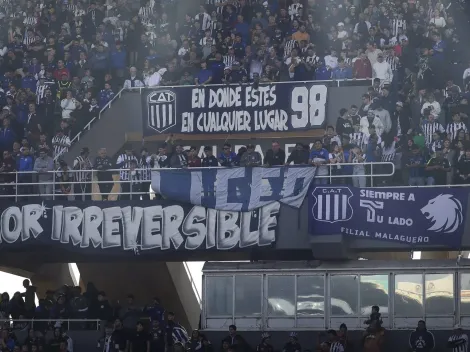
465,293
344,294
409,295
311,295
247,295
219,295
374,292
439,294
281,295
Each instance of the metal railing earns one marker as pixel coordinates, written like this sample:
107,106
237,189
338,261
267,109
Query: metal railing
140,89
26,184
79,324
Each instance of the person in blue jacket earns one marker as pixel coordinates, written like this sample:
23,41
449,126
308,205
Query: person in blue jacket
25,165
7,135
422,340
106,95
155,311
319,157
227,157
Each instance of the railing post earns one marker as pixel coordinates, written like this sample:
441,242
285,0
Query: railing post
16,186
371,174
53,184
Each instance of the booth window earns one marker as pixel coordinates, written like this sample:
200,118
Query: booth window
219,295
465,294
311,295
248,292
373,291
439,294
409,295
344,295
281,295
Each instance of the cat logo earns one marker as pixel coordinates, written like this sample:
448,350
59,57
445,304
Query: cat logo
161,110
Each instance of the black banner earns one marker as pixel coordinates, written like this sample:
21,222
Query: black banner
134,226
282,107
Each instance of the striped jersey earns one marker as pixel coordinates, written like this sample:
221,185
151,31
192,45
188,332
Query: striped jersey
124,161
294,10
453,129
84,166
61,145
145,12
388,153
229,60
459,342
30,21
204,19
40,92
336,347
219,9
357,139
146,169
180,335
289,46
394,62
429,129
398,24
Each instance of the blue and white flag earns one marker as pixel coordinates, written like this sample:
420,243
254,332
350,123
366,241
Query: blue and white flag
235,189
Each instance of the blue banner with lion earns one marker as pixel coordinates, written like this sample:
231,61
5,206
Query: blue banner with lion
411,216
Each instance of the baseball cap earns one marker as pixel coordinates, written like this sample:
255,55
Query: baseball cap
399,103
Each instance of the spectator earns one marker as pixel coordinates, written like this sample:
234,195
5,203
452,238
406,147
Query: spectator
133,80
124,163
102,164
157,337
437,167
251,157
179,159
193,159
209,160
64,178
275,156
458,341
69,105
422,340
228,157
44,166
318,158
299,156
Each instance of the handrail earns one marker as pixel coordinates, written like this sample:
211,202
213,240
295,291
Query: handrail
134,189
58,321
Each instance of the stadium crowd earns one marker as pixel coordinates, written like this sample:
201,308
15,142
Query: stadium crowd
125,326
62,62
128,327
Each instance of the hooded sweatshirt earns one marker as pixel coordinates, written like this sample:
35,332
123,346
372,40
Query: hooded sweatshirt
422,341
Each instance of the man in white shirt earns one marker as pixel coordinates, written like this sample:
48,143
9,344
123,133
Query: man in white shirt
331,61
372,53
382,70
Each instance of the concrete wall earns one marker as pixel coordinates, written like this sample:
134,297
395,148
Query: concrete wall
146,280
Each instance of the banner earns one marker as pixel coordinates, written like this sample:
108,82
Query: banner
138,227
282,107
413,216
235,189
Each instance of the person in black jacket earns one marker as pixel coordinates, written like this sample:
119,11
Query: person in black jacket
103,163
293,344
118,337
157,337
422,340
210,160
275,156
299,155
463,167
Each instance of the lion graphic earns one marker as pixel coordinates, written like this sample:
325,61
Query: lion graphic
445,213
